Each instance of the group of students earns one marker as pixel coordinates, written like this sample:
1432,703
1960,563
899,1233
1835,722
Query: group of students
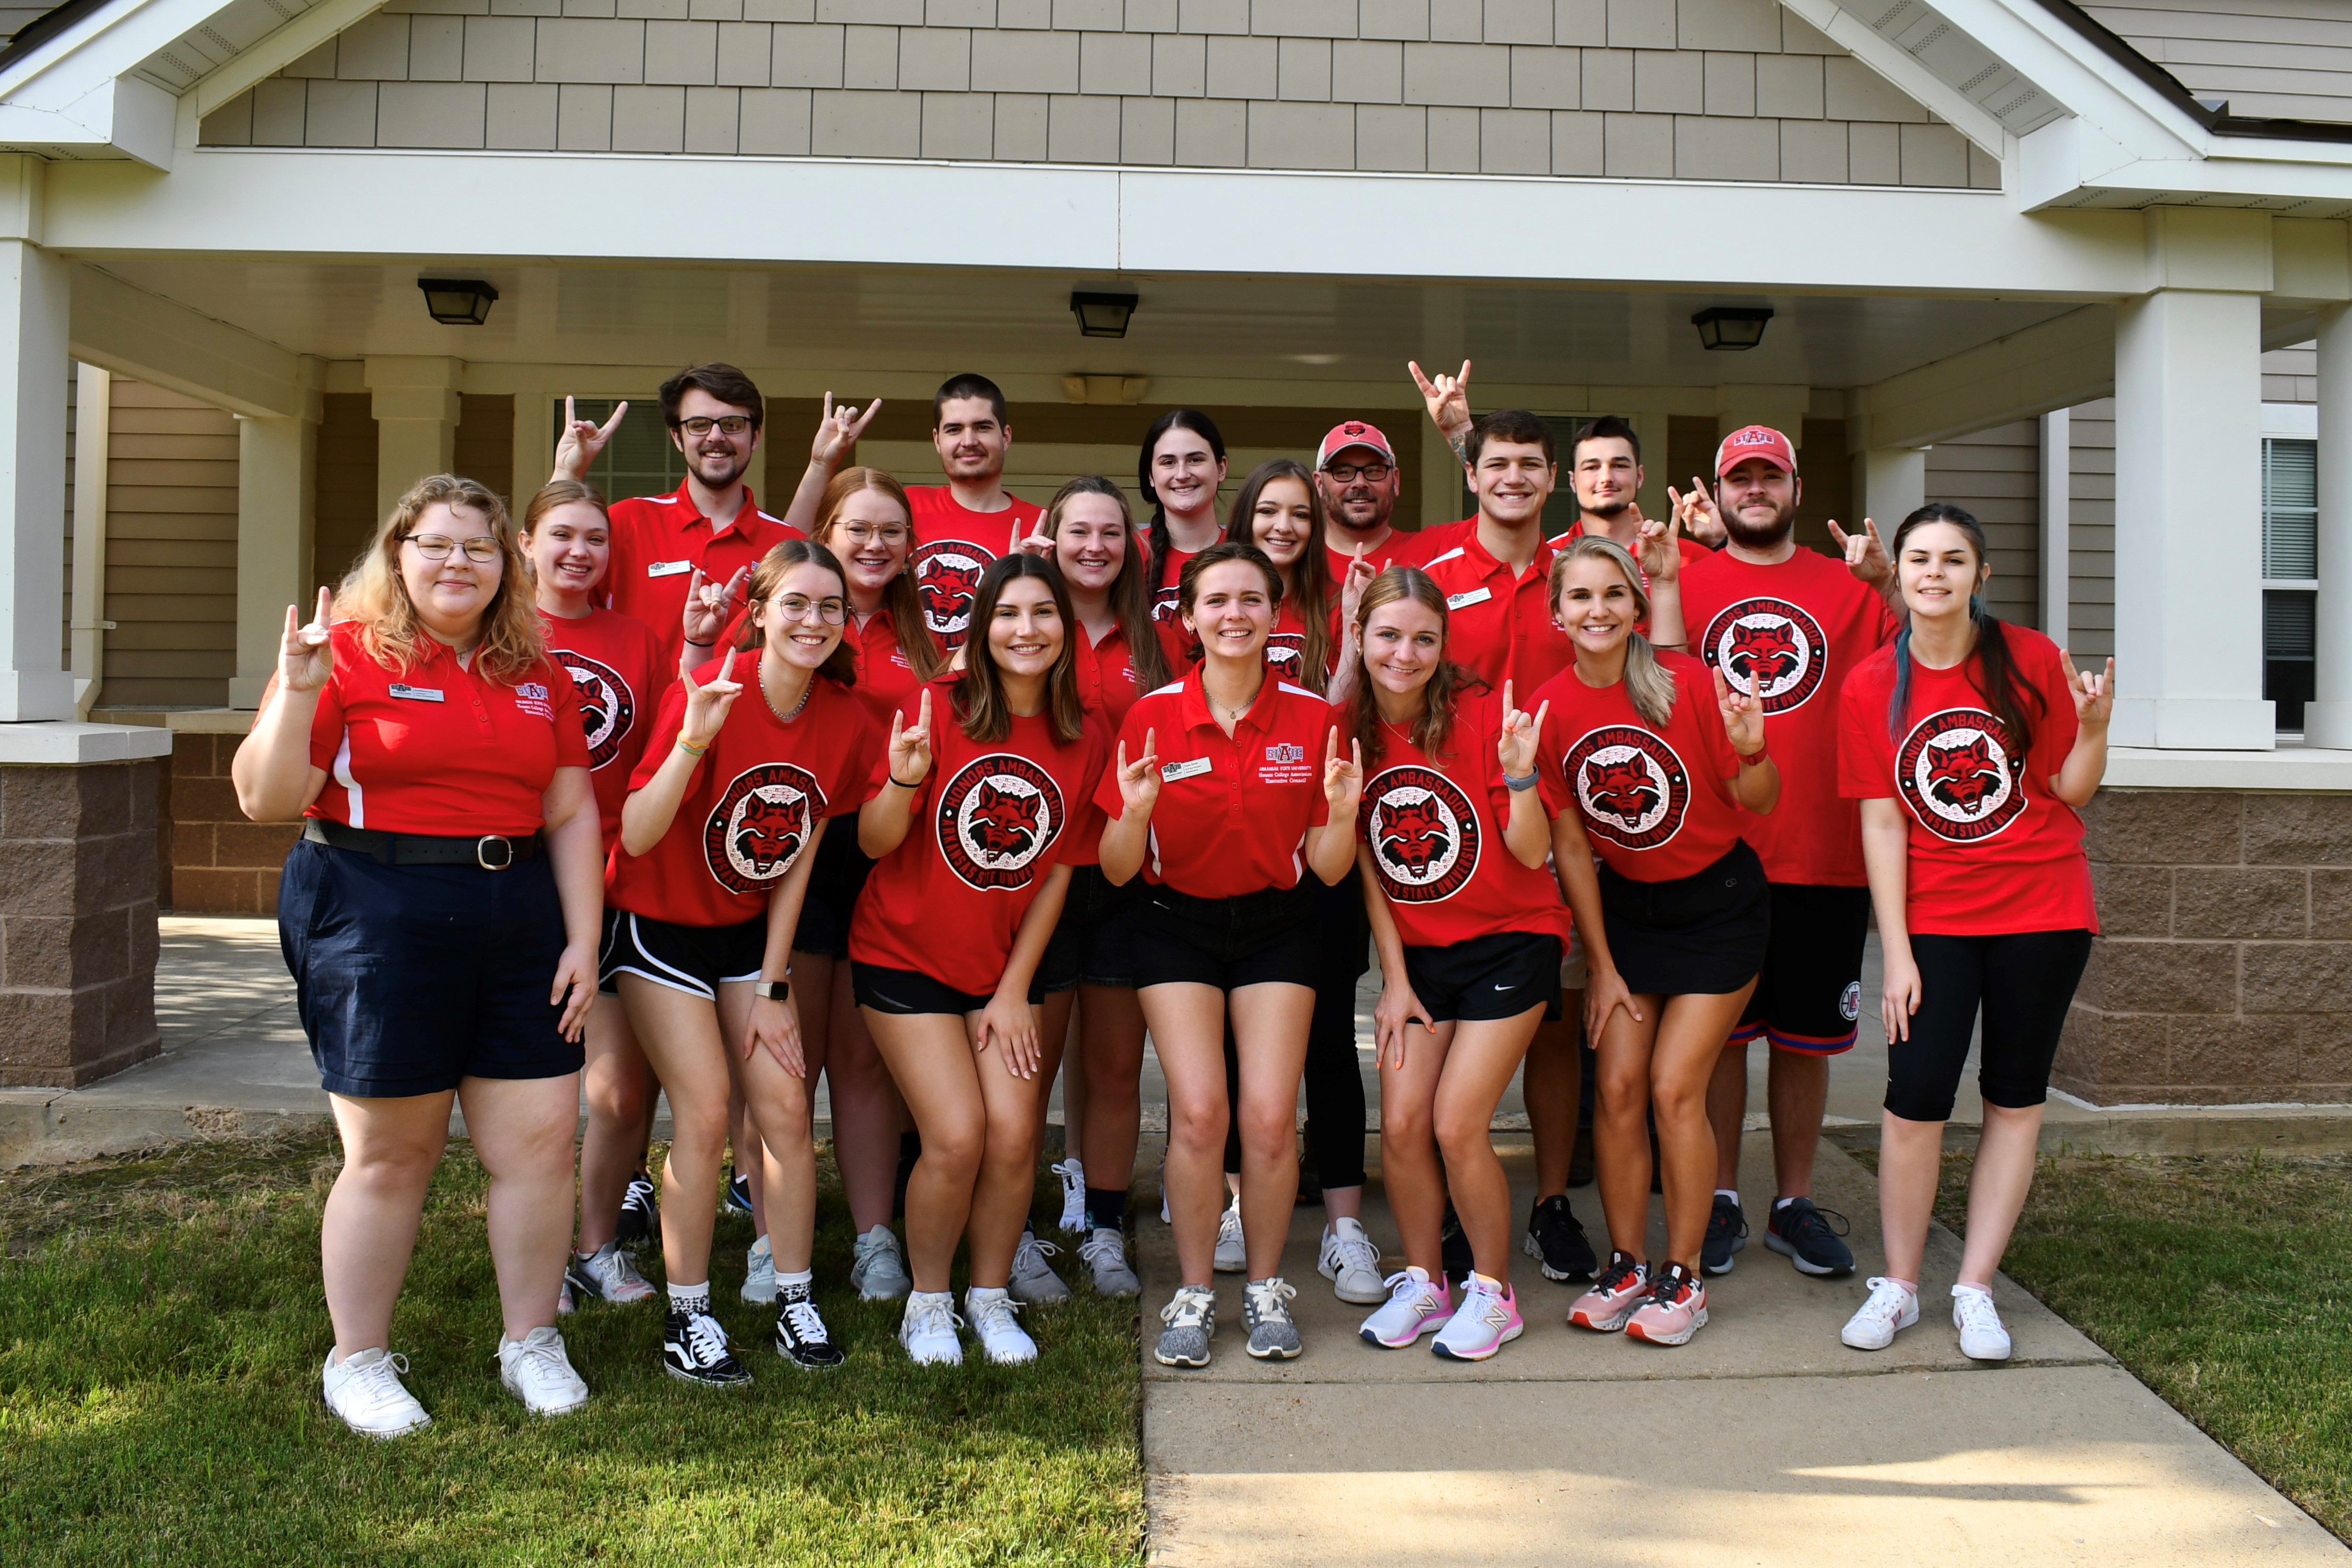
1653,777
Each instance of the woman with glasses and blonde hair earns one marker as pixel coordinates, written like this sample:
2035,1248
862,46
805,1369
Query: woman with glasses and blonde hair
725,813
440,915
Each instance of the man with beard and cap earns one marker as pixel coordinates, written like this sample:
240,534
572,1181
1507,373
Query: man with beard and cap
1357,472
1787,624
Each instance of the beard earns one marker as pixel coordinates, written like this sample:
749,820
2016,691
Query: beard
1759,535
717,469
1608,511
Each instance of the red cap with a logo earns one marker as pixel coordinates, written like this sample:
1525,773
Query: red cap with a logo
1354,433
1755,441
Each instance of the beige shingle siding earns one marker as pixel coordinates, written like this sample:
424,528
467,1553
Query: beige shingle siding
2090,531
2290,58
1995,474
1701,90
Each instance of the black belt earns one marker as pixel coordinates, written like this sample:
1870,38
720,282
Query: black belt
491,851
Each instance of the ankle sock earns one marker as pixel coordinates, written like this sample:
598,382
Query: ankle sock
1106,1208
1731,1192
689,1298
803,1276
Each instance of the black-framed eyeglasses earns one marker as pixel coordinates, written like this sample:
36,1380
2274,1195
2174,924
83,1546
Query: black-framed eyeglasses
702,424
1349,473
481,549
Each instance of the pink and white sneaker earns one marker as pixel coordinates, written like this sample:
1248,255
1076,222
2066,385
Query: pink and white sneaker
1675,1310
1623,1286
1416,1305
1486,1320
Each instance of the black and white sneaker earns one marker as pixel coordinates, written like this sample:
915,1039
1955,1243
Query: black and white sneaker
1556,1241
739,1192
1727,1233
1811,1238
1453,1247
694,1350
800,1336
640,1215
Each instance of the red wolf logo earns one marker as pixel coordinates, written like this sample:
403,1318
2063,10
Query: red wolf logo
947,591
1965,775
1625,790
771,834
1415,836
1004,823
1763,655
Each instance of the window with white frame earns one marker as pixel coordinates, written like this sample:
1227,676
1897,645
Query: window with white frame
2290,573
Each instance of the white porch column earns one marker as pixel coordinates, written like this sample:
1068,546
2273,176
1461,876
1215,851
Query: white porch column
1890,482
416,406
276,526
2189,537
34,306
2327,720
2057,514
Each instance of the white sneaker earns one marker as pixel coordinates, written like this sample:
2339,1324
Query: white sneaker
1074,1196
564,1305
760,1274
366,1390
535,1370
1034,1283
1351,1263
1002,1338
1232,1258
1487,1320
877,1272
1982,1338
1875,1322
928,1330
1104,1251
1417,1305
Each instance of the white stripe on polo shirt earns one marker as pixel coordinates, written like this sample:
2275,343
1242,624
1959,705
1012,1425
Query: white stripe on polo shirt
354,806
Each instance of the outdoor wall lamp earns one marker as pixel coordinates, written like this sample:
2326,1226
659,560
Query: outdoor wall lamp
1731,327
458,301
1101,315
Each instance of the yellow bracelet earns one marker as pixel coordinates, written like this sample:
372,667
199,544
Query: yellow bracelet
689,748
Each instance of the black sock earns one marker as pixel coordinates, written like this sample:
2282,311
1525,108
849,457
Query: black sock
1106,1208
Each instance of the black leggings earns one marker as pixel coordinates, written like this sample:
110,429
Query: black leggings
1333,1080
2024,982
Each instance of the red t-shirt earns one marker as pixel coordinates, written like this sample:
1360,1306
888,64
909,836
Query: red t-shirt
436,748
1435,828
1993,850
617,675
752,806
990,821
953,546
1400,548
1656,804
1792,633
1497,622
1233,811
658,543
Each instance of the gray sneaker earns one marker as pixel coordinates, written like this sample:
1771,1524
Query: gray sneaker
877,1272
1034,1283
1266,1308
607,1274
1191,1320
1105,1252
760,1274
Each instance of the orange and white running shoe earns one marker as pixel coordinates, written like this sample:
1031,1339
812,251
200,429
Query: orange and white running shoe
1623,1286
1675,1310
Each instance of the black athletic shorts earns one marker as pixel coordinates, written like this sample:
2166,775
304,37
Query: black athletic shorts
696,959
834,885
1497,976
909,992
2020,985
1251,939
1094,942
1701,934
1809,992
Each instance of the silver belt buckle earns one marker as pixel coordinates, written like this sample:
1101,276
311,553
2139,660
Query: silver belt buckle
482,853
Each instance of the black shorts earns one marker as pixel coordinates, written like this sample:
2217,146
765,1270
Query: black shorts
1094,942
1702,934
835,882
907,992
696,959
2024,983
1253,939
409,978
1497,976
1809,992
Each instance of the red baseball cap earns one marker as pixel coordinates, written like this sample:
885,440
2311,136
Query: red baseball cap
1755,441
1354,433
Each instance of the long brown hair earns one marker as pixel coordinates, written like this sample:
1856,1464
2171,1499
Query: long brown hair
1311,592
374,594
1131,590
1433,729
841,665
899,599
1648,683
980,703
1995,674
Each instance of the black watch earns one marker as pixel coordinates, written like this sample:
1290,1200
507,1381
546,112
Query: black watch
774,990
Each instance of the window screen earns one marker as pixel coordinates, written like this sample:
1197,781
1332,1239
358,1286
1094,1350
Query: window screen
2290,510
639,460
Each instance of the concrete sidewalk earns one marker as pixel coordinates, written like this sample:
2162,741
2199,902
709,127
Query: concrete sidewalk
1763,1441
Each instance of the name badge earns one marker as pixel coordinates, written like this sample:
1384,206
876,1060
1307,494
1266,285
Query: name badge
416,694
1463,601
1173,771
668,568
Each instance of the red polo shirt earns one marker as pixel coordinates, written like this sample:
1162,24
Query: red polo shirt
618,677
886,682
1106,677
436,748
1499,622
1168,615
658,543
953,545
1233,811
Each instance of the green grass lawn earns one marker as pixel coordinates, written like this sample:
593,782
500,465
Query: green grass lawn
2223,1283
161,1332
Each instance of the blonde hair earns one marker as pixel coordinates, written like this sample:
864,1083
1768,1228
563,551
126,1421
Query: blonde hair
374,594
1648,683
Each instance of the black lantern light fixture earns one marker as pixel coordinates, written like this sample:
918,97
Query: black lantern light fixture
1101,315
458,301
1734,328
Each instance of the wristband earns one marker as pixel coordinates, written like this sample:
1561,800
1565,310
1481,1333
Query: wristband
692,643
902,784
1761,755
689,748
1527,783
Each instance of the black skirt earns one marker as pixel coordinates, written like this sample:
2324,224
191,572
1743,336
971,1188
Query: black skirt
1702,934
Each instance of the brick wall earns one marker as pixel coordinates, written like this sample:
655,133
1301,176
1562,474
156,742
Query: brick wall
219,864
1713,90
2223,974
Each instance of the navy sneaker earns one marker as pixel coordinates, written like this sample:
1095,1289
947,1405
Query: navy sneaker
640,1215
739,1192
1453,1247
1557,1242
1809,1238
1727,1233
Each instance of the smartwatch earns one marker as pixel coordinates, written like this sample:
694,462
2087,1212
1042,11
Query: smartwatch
774,990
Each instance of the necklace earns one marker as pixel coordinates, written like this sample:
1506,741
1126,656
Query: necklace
1233,713
782,716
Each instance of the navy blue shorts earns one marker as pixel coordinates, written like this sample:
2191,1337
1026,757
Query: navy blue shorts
409,978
